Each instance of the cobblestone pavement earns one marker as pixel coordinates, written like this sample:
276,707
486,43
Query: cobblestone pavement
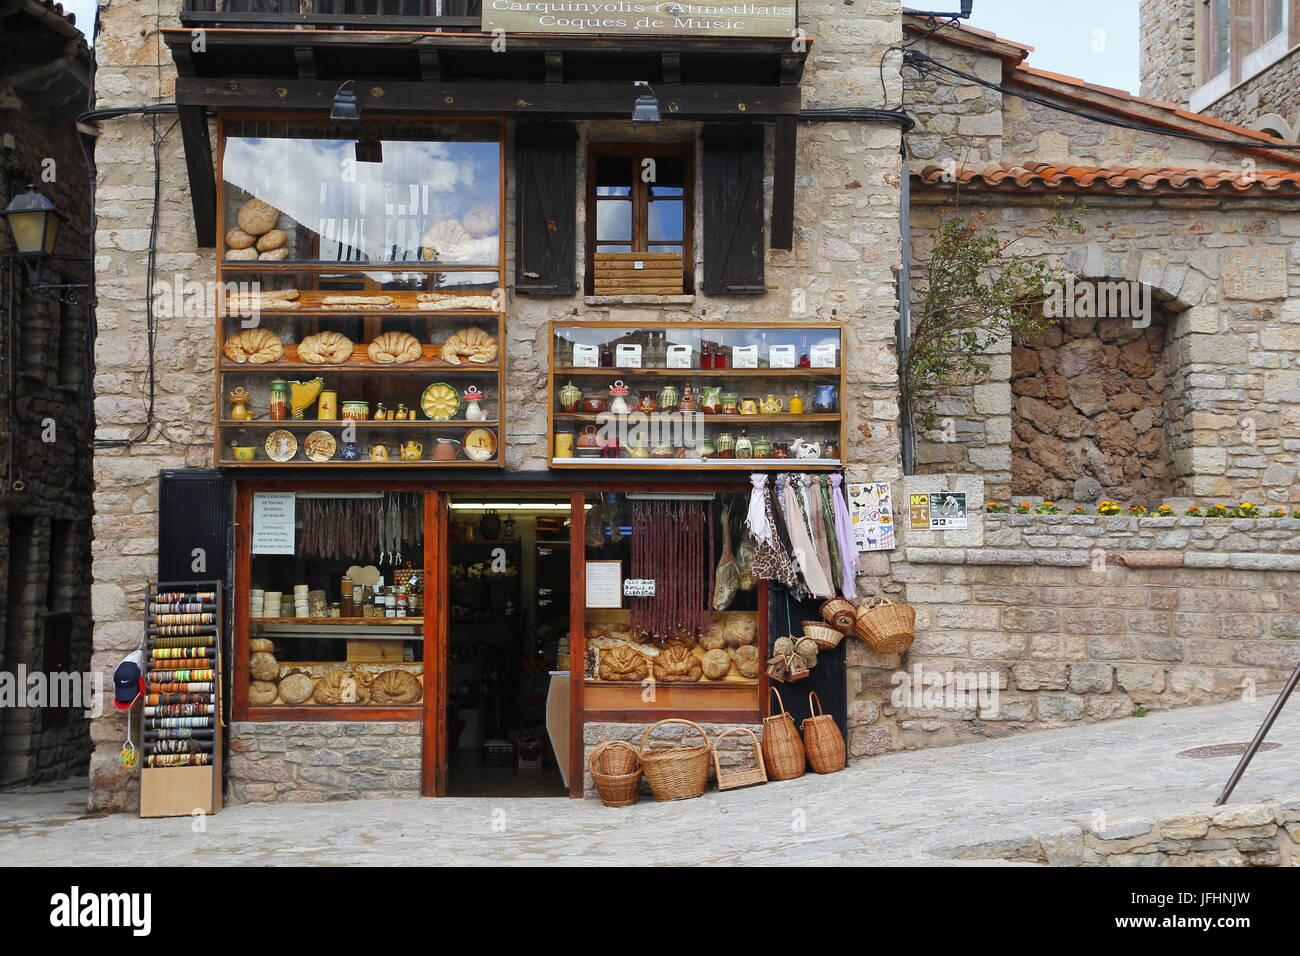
919,807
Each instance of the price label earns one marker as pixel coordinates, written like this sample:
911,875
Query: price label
639,587
782,356
679,356
822,356
628,356
586,356
744,356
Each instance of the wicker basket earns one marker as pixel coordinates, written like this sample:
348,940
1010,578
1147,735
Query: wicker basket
823,635
783,753
887,627
730,779
822,740
616,772
840,614
676,773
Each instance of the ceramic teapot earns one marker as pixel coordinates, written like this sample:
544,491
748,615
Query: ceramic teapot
239,411
378,452
412,451
446,449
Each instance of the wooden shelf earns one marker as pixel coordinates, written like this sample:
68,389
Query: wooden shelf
317,266
696,372
311,313
744,464
360,362
364,463
740,419
339,423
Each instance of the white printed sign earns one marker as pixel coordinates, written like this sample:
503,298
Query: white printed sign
604,584
273,518
871,512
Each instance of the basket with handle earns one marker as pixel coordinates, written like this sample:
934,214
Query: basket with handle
676,773
839,613
616,772
783,753
886,626
822,740
823,635
730,779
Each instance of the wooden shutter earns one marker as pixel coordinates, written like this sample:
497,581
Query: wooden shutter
733,209
546,208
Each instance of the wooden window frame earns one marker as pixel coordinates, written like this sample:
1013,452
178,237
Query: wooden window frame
1246,31
640,200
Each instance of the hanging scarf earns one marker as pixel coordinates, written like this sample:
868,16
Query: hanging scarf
805,549
775,504
756,518
850,560
826,518
771,562
812,502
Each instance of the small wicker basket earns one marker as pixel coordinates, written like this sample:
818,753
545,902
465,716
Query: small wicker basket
730,779
887,627
839,613
823,635
616,772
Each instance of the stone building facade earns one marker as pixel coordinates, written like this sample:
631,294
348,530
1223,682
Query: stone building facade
1259,87
1068,619
45,432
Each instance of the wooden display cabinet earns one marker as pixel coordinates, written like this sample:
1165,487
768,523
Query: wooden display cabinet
690,439
337,241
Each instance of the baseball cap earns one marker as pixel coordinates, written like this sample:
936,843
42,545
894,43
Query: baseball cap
128,680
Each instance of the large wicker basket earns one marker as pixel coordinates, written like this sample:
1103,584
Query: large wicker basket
822,740
887,627
616,772
783,753
676,773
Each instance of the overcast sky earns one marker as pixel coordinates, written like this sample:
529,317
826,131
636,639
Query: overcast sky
1096,40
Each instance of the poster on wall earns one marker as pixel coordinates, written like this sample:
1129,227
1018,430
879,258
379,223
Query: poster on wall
944,511
651,17
273,518
871,511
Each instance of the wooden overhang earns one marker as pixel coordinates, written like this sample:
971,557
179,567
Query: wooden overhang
711,79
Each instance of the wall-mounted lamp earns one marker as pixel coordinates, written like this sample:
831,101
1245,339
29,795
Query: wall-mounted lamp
646,108
346,108
33,223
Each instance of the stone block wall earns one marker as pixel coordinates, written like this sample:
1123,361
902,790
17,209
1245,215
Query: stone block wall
734,752
1272,94
1168,50
1073,619
317,762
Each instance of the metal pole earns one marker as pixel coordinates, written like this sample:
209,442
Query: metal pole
1259,737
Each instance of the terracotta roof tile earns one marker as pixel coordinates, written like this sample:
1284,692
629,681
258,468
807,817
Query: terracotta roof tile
1046,176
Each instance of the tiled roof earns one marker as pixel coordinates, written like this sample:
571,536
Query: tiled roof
1047,176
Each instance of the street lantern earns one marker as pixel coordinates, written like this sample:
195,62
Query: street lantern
646,107
34,227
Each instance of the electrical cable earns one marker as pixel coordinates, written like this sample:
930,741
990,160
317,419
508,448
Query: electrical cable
924,63
843,114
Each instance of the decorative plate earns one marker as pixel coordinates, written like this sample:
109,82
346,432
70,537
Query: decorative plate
319,446
440,401
480,444
281,445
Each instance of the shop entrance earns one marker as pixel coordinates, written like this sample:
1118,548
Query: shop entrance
507,642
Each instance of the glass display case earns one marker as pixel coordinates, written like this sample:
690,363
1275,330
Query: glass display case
753,396
359,311
335,606
673,614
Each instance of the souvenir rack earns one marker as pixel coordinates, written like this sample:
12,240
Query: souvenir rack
180,765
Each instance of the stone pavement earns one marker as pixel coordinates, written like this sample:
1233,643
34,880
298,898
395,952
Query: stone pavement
922,807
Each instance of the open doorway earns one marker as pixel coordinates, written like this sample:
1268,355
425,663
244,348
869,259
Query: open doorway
507,642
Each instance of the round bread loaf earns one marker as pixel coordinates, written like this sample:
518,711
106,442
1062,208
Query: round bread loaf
256,217
261,693
263,666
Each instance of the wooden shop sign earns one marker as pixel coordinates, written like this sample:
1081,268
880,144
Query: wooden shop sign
649,17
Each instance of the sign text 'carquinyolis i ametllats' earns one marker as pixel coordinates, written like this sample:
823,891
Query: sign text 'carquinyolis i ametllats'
657,17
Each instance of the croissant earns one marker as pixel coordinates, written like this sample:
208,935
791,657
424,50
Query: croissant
325,348
396,687
394,348
677,663
342,687
443,238
472,344
255,346
623,663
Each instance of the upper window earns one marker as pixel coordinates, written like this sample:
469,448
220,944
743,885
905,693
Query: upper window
639,219
1218,33
1228,41
365,192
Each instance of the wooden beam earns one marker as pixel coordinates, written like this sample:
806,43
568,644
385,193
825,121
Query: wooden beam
203,182
671,64
430,65
791,69
783,175
305,57
528,99
555,68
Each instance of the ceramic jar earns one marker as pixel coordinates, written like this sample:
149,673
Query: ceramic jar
618,398
711,399
569,396
668,398
239,410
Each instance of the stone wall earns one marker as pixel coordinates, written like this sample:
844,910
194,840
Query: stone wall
1274,92
45,455
1089,415
281,762
846,241
1168,50
1232,356
1072,619
734,751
